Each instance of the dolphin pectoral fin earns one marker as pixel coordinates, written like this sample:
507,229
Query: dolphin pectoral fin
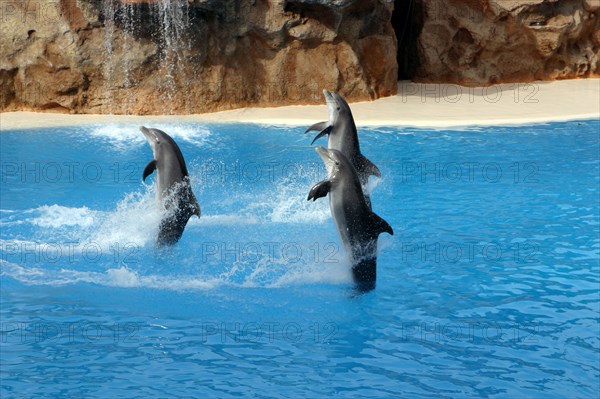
322,133
149,169
380,225
317,126
321,189
370,168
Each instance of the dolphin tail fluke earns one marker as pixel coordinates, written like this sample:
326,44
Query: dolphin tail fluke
322,133
319,190
380,225
151,167
317,126
369,167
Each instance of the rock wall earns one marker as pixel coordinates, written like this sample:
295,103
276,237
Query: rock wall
149,57
192,56
481,42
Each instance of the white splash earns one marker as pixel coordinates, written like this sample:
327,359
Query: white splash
124,136
124,277
54,216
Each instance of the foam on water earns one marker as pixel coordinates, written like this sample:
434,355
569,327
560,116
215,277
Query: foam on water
225,220
54,216
9,217
134,224
335,272
285,202
262,274
124,135
288,204
372,183
117,277
134,221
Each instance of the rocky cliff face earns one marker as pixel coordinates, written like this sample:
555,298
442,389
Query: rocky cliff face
480,42
191,56
158,56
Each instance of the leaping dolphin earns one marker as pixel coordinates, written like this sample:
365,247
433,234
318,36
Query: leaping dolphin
358,226
173,188
343,136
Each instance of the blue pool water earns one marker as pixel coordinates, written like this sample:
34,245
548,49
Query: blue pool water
489,287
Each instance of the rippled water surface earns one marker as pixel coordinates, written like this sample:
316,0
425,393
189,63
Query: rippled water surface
488,288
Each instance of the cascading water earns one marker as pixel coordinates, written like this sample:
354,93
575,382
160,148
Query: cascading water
173,19
109,65
163,25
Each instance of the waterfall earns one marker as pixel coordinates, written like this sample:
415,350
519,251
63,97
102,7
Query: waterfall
130,25
109,65
174,21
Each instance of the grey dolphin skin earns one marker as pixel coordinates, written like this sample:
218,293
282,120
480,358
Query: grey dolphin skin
343,136
173,188
358,226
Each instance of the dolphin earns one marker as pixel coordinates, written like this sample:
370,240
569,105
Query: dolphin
173,188
343,136
358,226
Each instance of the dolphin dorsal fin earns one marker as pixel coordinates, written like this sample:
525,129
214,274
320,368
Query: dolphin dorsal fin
380,225
369,167
319,190
151,167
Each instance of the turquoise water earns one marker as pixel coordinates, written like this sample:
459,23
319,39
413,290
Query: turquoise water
489,287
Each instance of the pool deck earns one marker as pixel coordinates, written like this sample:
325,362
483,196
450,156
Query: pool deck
419,105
